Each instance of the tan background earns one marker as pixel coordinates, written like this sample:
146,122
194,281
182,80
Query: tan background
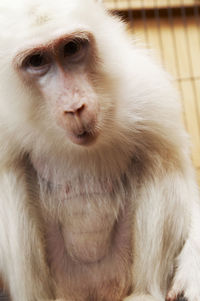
172,29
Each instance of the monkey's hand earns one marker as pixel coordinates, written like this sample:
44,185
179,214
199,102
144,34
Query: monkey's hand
185,286
172,297
175,294
186,283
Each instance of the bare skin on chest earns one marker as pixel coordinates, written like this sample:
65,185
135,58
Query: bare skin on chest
87,239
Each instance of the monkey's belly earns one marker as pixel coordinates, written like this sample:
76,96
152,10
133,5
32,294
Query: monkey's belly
89,239
89,251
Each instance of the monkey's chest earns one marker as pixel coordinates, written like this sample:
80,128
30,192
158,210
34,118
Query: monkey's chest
88,251
88,234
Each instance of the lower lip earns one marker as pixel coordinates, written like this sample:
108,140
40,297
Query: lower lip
84,140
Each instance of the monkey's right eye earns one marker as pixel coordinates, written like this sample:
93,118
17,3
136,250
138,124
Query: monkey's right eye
36,63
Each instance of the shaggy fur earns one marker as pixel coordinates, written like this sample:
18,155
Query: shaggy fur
118,218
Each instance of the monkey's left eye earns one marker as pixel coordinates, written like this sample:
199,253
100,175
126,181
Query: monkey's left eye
71,48
75,49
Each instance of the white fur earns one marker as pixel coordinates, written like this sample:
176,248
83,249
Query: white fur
137,176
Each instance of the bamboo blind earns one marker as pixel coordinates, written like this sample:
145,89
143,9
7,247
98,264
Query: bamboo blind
172,29
147,4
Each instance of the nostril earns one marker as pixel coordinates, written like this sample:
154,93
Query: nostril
79,110
75,110
68,112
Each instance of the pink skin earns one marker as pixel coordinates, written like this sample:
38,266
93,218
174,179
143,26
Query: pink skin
63,80
75,105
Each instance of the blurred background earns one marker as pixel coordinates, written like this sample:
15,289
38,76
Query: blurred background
172,29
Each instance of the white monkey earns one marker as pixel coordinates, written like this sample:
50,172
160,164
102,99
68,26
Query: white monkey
98,200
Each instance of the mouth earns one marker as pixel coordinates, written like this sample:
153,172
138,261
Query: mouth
85,138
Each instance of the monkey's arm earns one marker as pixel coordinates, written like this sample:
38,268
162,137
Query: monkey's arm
187,277
22,258
166,227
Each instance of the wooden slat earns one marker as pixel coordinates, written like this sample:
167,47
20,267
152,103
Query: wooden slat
198,175
148,4
192,120
172,44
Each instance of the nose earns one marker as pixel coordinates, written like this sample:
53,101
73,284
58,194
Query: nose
78,119
75,118
75,110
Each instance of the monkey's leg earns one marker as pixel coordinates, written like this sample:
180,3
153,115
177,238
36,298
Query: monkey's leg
22,257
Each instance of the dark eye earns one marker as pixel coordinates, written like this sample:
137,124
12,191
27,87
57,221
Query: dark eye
71,48
36,61
75,47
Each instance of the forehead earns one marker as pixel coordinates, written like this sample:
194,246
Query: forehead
33,21
47,12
